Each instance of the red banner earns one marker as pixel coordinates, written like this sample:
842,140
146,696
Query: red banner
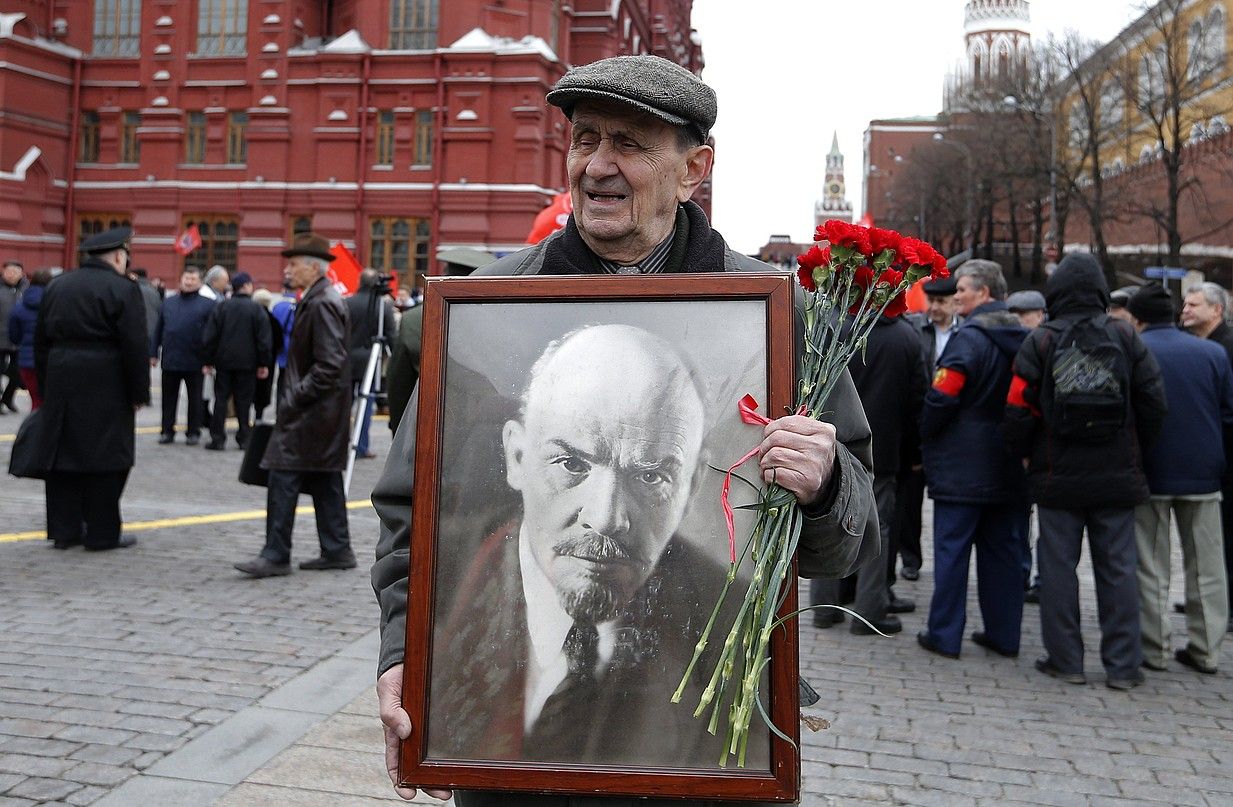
344,270
188,240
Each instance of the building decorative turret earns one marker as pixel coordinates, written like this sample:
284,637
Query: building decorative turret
834,204
996,44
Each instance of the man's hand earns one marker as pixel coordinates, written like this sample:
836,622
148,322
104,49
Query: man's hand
397,727
263,372
153,362
798,453
207,370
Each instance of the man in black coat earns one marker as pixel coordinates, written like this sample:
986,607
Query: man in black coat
90,356
177,336
365,319
13,284
1204,315
890,377
1081,479
308,448
239,348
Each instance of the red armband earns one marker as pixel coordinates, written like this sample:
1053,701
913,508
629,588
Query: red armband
949,381
1015,396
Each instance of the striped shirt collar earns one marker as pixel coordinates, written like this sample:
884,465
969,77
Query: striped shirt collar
651,264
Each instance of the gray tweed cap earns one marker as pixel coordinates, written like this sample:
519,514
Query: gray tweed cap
1029,300
650,83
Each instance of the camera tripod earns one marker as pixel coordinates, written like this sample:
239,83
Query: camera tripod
370,387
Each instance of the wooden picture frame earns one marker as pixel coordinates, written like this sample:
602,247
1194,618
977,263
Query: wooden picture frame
477,672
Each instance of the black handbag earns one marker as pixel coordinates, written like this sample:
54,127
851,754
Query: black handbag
251,472
25,461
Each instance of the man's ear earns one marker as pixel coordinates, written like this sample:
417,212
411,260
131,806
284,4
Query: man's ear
513,440
698,161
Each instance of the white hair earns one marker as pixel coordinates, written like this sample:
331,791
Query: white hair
322,266
1213,295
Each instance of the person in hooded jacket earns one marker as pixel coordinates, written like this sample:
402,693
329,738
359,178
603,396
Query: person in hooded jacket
1085,482
977,487
21,333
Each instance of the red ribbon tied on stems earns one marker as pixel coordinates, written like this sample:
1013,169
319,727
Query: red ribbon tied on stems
748,409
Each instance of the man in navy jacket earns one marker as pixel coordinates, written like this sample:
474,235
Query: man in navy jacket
1184,471
179,336
977,487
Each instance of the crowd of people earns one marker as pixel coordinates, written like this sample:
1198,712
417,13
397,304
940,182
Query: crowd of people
1094,408
83,347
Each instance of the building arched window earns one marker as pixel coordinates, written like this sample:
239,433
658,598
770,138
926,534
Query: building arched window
1194,50
1003,59
1214,34
413,24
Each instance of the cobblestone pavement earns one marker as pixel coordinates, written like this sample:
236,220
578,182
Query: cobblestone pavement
109,662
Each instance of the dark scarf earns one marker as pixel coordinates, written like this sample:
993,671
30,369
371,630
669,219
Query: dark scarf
695,248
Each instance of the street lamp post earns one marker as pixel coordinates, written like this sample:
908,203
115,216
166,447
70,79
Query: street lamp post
966,151
1012,102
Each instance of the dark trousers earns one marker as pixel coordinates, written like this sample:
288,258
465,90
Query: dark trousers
1226,524
872,591
171,400
85,507
239,385
1111,541
10,372
329,506
909,499
993,530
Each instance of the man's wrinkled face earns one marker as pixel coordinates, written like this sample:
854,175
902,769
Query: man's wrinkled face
190,282
627,173
1030,319
11,273
300,272
941,309
605,460
968,295
219,284
1199,315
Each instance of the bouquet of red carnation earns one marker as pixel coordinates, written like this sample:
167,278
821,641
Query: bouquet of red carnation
862,274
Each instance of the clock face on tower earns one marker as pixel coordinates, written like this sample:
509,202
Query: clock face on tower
835,189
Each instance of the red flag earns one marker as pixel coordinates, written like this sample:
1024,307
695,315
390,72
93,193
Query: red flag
344,270
188,240
551,218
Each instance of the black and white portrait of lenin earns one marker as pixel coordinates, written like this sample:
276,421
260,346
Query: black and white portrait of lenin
566,616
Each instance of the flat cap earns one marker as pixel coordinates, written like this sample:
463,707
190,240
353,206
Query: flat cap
1118,298
942,287
649,83
107,240
1030,300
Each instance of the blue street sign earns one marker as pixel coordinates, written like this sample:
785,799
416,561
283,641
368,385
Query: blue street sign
1165,272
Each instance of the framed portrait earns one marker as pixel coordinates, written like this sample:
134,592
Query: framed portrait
568,542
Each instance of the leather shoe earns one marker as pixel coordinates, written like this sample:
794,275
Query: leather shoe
1154,667
900,605
367,455
1124,684
192,440
324,562
123,542
827,617
164,439
260,567
1184,658
888,624
924,641
1045,665
65,543
910,574
215,445
981,639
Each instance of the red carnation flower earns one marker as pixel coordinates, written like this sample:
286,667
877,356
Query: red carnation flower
816,257
841,234
881,240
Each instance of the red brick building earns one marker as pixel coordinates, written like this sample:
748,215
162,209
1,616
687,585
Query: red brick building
396,126
888,148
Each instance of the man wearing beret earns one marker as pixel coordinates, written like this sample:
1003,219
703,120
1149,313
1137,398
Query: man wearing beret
1184,473
637,153
308,448
90,358
239,348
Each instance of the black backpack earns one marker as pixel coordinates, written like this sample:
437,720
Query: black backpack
1088,376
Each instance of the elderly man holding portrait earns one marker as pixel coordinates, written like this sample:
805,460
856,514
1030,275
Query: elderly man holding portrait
637,153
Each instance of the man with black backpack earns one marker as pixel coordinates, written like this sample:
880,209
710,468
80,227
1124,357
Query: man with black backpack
1085,402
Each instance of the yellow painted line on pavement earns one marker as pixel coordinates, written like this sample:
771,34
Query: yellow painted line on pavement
8,438
183,521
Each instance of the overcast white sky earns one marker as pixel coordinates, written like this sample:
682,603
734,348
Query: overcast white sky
790,72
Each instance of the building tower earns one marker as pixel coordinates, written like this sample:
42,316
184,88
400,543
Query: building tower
834,204
996,44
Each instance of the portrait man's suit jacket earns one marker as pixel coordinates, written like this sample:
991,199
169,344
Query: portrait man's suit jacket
480,658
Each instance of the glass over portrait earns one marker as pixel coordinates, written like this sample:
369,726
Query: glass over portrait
579,543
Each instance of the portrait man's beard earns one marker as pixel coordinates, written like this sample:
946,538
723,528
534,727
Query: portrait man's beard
597,595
